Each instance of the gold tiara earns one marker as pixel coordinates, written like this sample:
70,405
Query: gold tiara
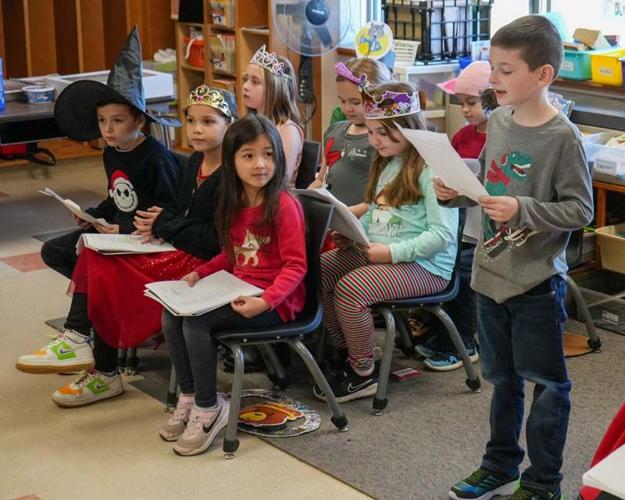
207,96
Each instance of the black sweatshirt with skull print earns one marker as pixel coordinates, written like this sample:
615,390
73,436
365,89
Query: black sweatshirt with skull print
145,176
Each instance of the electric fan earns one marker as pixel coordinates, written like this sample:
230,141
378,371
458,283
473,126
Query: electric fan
311,27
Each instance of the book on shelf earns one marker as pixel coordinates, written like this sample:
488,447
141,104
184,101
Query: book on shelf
119,244
607,475
209,293
75,208
222,50
343,220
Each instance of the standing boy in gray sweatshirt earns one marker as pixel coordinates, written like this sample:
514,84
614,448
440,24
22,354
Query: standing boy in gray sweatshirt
536,174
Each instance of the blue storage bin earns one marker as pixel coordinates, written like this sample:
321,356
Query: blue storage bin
463,62
576,65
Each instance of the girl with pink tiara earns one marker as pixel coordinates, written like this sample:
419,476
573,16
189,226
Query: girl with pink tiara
413,240
347,152
269,89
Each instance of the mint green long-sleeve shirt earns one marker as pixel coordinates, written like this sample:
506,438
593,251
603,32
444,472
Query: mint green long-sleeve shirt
425,232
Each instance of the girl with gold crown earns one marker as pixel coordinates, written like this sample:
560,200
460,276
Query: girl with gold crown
108,289
412,240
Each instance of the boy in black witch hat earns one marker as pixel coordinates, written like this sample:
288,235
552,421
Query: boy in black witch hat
140,170
141,173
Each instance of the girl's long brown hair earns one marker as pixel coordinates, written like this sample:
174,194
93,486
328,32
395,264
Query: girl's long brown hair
377,73
404,188
280,92
230,201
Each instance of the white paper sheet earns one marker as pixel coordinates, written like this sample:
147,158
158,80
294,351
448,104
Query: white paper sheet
116,244
343,220
609,474
74,208
441,157
473,221
209,293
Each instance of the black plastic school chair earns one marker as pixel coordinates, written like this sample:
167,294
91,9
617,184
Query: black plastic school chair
317,215
574,259
396,322
308,165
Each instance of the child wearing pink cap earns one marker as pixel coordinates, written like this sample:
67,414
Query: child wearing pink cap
468,88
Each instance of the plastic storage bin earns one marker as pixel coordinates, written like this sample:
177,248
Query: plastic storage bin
607,67
604,294
611,241
606,160
576,65
194,53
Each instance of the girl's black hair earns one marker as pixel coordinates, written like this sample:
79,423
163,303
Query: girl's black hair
231,195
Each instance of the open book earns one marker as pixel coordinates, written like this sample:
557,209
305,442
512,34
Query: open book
74,208
343,220
608,475
116,244
209,293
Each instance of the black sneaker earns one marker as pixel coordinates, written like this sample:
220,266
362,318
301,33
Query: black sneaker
348,385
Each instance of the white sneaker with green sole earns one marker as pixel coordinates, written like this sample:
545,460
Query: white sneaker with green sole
69,352
90,387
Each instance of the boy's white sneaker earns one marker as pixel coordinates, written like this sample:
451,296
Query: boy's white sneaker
69,352
90,387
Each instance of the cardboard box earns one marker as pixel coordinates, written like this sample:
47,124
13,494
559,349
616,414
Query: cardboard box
592,38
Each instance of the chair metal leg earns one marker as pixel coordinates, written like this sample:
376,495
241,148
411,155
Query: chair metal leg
594,342
473,380
338,417
172,391
132,361
231,443
275,370
380,400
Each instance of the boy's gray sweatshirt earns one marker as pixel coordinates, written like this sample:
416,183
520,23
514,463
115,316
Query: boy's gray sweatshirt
546,170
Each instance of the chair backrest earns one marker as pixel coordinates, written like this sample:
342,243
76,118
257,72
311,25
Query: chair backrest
454,282
317,215
308,165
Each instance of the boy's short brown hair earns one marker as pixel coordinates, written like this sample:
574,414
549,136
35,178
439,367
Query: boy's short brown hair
536,36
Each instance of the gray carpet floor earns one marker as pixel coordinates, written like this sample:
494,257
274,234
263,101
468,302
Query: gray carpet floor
434,430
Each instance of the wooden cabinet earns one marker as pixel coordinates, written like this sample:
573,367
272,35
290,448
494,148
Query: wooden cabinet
249,23
39,37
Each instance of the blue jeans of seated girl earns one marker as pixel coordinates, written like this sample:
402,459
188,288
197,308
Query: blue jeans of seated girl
193,351
521,339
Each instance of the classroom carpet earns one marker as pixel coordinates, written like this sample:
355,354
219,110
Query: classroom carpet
434,429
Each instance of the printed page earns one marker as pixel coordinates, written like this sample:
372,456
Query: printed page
114,244
74,208
343,220
209,293
441,157
607,475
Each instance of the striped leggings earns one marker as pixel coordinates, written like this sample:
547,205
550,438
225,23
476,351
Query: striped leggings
350,285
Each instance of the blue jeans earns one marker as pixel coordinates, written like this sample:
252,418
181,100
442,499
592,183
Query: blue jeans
520,340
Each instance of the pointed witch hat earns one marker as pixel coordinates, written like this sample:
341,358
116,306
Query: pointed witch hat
75,108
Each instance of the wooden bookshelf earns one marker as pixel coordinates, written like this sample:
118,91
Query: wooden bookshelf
39,37
252,28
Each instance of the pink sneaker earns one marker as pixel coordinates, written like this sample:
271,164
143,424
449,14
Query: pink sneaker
202,428
177,422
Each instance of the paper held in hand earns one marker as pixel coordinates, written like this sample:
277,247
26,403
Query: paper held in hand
117,244
442,158
343,220
207,294
607,475
74,208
